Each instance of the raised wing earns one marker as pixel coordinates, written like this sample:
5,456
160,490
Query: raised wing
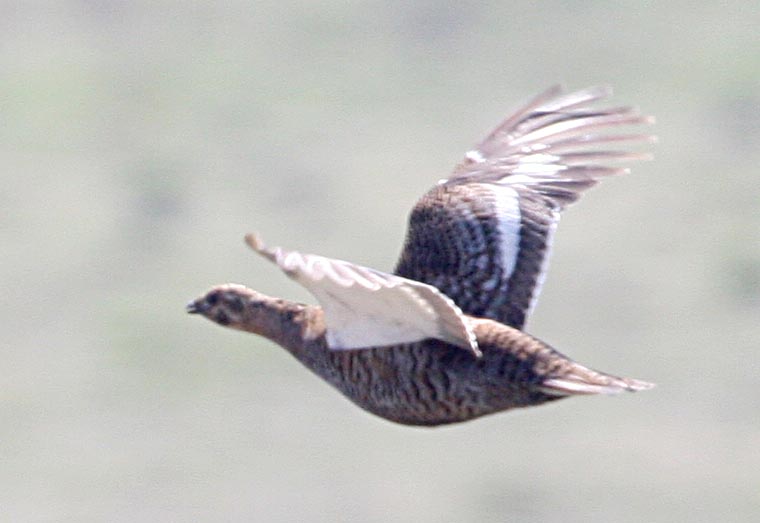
365,308
483,236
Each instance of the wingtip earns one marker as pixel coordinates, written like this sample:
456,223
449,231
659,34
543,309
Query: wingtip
638,385
599,91
254,241
554,90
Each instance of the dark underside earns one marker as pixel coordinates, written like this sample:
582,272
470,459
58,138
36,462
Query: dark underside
434,383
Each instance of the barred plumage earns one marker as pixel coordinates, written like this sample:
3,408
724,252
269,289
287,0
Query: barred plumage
441,340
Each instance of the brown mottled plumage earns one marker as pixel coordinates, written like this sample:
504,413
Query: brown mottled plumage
440,340
424,383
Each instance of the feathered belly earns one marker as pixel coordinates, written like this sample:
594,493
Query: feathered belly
433,383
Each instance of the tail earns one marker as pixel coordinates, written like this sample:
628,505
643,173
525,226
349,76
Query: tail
582,380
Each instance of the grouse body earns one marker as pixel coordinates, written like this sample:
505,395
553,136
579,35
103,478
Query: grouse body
441,339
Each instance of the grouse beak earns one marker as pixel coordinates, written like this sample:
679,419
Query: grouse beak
194,307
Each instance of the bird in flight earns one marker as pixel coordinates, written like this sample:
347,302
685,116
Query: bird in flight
440,340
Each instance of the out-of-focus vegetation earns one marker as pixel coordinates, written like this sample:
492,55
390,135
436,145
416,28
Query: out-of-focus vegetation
139,142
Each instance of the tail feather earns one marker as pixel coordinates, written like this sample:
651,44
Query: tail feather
588,381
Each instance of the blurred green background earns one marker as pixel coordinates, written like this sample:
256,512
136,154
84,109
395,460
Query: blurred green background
141,140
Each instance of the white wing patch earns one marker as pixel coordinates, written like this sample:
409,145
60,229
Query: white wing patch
541,277
507,211
365,308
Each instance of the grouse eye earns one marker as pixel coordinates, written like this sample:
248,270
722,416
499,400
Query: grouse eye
213,298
